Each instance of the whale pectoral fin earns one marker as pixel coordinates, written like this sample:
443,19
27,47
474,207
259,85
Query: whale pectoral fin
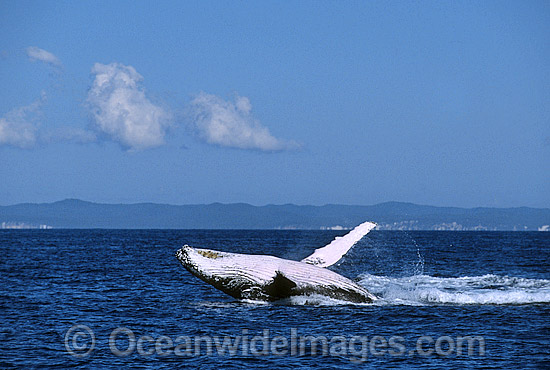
280,287
333,252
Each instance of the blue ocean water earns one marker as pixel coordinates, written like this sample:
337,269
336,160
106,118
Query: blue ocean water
119,298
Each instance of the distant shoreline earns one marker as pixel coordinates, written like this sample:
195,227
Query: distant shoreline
78,214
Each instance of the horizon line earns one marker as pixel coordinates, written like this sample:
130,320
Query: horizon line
269,204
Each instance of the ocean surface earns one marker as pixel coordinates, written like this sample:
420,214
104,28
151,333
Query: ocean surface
119,298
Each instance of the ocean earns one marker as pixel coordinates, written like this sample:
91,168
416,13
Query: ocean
119,298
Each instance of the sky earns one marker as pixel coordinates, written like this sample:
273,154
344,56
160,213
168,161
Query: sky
443,103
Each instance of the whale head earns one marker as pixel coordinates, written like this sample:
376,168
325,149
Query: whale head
200,262
221,269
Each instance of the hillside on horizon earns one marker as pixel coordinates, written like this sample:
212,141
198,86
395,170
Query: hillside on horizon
74,213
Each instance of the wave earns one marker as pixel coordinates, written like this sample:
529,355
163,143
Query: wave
467,290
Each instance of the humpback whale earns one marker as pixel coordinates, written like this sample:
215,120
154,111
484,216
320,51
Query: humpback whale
269,278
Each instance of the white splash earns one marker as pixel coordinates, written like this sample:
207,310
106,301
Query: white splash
474,290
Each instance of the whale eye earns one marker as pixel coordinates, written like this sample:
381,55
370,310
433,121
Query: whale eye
210,254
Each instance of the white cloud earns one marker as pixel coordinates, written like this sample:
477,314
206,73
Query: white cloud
231,124
121,111
18,127
35,53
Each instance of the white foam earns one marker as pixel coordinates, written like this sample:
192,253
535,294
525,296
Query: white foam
475,290
318,300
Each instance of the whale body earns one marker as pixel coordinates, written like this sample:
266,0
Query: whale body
269,278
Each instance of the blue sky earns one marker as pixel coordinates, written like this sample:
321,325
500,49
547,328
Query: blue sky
306,102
